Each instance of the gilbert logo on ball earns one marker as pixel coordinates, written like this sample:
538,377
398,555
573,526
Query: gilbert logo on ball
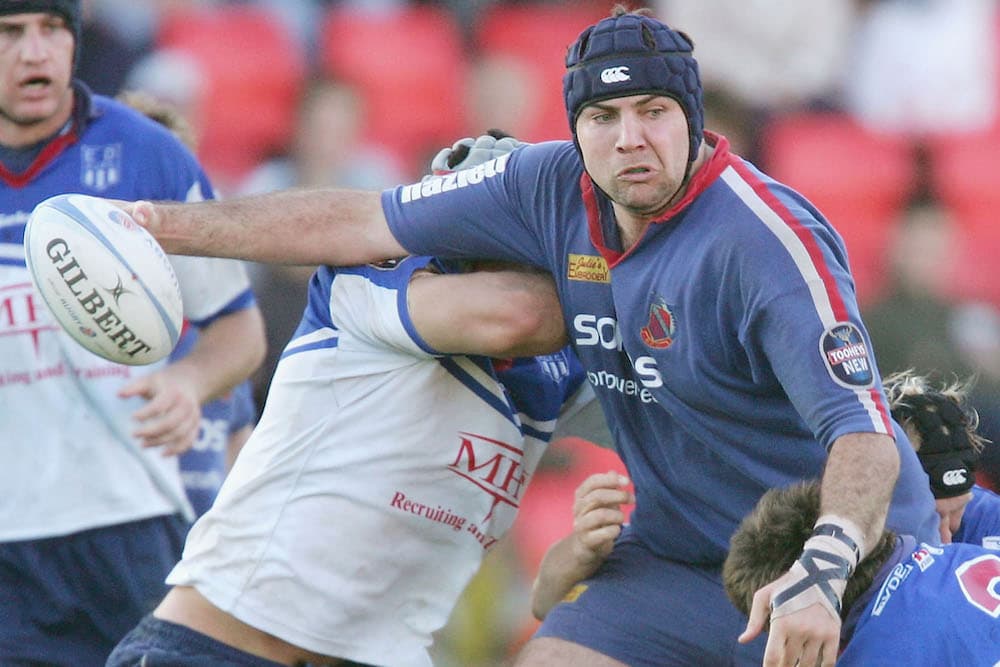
104,278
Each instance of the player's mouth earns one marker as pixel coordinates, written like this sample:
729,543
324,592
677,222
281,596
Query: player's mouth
36,83
634,173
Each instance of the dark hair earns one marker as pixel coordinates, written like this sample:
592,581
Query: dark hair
770,540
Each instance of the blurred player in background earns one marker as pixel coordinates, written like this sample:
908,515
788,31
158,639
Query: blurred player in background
381,472
226,424
942,427
906,603
714,311
227,421
94,512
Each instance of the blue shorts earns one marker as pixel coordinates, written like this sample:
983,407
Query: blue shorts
68,600
158,643
155,642
647,611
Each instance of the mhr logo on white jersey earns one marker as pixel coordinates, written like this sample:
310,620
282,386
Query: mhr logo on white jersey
459,179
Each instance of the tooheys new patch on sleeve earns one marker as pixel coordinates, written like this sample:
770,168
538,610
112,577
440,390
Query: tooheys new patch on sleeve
846,355
104,279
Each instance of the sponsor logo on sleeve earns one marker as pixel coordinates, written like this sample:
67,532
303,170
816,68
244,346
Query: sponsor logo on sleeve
574,593
588,268
454,181
923,558
845,354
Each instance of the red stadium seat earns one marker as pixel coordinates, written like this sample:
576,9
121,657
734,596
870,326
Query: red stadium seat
966,176
254,70
536,37
411,68
858,179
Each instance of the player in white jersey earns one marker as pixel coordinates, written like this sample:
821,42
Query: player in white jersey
379,474
93,514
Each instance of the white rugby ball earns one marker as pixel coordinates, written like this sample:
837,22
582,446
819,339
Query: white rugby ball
104,278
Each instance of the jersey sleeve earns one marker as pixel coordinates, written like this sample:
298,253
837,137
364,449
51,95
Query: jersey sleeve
363,308
212,287
484,211
981,520
806,328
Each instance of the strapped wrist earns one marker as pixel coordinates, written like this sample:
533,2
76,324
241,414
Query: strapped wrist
848,537
829,557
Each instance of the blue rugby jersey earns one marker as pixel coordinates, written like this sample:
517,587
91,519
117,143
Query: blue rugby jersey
981,520
726,348
929,606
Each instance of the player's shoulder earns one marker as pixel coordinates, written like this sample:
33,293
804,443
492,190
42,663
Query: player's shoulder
558,154
984,504
127,125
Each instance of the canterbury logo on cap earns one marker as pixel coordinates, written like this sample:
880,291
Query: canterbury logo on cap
954,477
615,74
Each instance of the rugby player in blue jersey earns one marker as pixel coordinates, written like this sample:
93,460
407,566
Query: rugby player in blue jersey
907,603
942,428
714,311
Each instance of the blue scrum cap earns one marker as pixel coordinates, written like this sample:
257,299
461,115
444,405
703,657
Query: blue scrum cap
632,54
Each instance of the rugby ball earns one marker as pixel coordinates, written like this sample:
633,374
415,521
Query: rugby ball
104,278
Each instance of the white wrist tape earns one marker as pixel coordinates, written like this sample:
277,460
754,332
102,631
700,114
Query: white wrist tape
846,533
828,559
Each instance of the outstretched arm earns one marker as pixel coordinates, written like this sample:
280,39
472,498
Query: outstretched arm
300,226
805,622
597,522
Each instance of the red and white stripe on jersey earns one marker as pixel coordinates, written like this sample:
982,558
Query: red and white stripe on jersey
811,263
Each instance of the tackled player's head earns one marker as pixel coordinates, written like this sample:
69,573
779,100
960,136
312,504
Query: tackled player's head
631,53
771,537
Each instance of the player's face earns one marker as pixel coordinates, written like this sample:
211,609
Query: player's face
951,510
636,150
36,67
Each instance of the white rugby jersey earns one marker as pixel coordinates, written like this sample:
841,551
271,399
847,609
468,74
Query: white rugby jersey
69,461
378,476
